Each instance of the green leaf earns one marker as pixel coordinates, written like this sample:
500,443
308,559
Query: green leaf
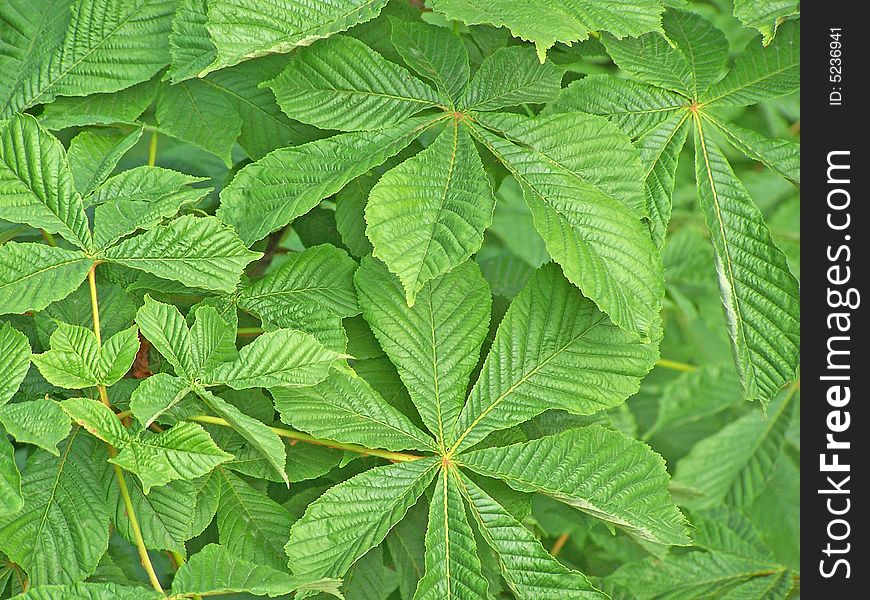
251,524
213,341
346,409
546,22
196,251
283,358
434,53
186,451
660,149
341,83
140,199
125,106
510,77
726,529
36,185
436,344
14,361
687,61
108,45
214,570
190,48
355,516
63,529
11,500
308,288
765,16
453,568
603,247
285,26
529,571
428,214
760,73
38,422
700,575
268,194
257,434
199,114
407,549
98,419
93,156
76,361
164,326
782,156
32,276
89,591
760,295
634,107
553,349
589,147
607,474
734,464
165,515
156,395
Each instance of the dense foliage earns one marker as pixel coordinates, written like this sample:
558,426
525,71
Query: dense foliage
392,300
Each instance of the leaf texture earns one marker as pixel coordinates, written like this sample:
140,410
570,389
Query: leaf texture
268,194
428,214
38,422
354,516
196,251
346,409
596,470
760,295
14,361
509,77
434,345
553,349
434,53
32,276
63,528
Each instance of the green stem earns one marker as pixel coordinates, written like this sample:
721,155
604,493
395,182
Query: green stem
249,331
310,439
152,149
675,366
119,474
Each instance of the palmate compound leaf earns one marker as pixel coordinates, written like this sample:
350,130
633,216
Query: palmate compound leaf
453,568
528,569
553,349
354,516
62,530
347,409
266,195
196,251
760,296
14,361
688,61
546,22
780,155
596,470
78,48
341,83
36,184
428,214
76,361
214,571
601,244
436,343
280,26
